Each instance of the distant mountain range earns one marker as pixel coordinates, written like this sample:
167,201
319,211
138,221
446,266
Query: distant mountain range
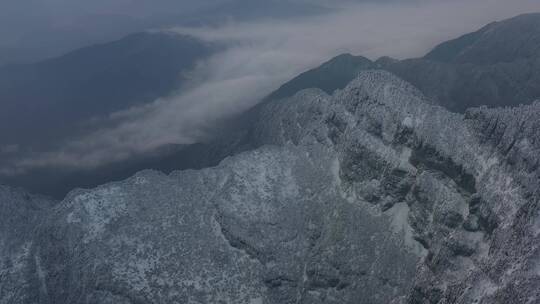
38,37
374,194
60,94
499,65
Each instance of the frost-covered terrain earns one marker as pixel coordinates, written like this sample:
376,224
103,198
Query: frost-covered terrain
498,65
372,195
20,214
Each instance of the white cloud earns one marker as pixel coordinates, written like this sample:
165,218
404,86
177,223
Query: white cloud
265,54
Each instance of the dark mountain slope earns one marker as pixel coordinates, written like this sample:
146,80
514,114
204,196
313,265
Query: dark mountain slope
462,86
504,41
499,65
331,75
55,95
457,86
21,213
44,33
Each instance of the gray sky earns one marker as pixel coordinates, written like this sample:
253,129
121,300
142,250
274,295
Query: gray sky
267,54
20,18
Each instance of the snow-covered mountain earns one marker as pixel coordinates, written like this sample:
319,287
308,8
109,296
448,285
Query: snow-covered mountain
371,195
498,65
495,66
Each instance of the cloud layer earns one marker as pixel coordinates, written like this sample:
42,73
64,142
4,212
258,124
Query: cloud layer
264,54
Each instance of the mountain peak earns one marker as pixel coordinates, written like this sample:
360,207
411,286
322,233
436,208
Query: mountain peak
330,76
503,41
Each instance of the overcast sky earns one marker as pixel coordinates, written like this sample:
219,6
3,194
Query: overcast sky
20,18
265,55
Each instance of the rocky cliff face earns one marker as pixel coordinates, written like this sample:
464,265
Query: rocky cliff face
371,195
20,215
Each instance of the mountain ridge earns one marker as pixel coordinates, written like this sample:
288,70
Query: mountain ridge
445,190
93,81
502,41
501,68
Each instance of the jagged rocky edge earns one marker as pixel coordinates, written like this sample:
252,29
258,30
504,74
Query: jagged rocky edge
466,193
21,214
282,232
485,248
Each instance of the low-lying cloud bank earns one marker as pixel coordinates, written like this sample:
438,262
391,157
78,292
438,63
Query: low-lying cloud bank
263,55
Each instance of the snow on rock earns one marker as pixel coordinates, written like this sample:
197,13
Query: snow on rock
372,195
20,214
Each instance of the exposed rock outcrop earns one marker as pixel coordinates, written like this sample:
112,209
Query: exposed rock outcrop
372,195
20,267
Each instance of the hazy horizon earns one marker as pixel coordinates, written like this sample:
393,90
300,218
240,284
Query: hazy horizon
261,54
